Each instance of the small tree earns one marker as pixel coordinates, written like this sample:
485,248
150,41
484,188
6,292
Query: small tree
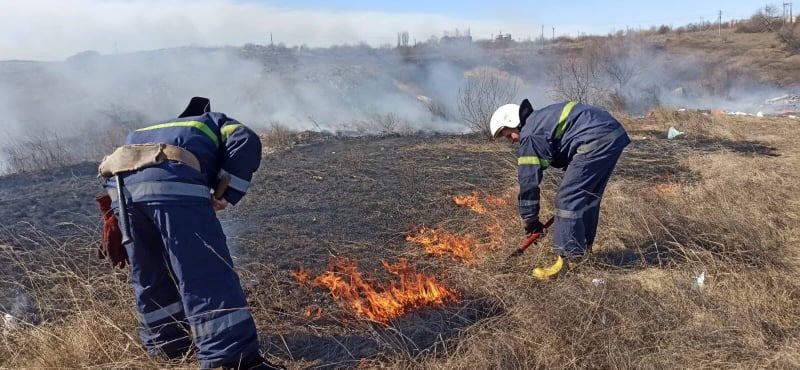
578,78
484,90
790,36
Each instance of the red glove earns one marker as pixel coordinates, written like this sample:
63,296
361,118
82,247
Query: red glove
111,245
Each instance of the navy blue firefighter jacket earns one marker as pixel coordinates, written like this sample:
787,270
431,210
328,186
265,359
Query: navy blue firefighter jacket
550,137
222,145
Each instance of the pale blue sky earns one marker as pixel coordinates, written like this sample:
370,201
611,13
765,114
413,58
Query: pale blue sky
593,14
56,29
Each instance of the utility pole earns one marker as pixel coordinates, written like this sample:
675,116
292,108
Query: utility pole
554,34
542,35
719,23
789,14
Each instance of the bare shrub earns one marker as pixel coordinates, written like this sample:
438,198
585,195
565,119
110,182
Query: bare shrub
277,136
388,123
578,78
764,20
615,59
790,36
484,90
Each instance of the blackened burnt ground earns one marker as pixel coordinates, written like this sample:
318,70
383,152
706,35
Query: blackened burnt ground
360,197
351,197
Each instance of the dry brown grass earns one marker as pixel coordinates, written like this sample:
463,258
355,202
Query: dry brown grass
737,221
762,55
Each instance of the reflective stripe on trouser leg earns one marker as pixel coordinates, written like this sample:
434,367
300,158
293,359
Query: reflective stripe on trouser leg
579,195
162,327
216,308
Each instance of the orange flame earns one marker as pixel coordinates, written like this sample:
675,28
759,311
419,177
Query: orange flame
379,302
493,202
441,243
470,201
668,187
313,311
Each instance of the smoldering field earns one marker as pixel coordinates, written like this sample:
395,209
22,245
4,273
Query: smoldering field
719,201
55,113
674,209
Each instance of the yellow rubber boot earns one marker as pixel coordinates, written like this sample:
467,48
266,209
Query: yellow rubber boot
552,271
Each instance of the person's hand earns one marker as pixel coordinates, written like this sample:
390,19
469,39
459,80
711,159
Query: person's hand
111,243
219,204
532,225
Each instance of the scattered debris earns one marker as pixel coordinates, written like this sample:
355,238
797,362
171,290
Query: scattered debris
784,99
699,283
673,133
10,322
599,282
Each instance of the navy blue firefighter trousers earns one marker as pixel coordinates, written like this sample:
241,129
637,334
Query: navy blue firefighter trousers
185,285
578,197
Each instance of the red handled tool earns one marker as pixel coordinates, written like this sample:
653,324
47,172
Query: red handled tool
531,239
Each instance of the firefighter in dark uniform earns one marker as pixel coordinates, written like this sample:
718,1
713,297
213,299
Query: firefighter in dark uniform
187,291
585,142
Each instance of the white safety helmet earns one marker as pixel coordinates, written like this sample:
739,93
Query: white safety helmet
505,116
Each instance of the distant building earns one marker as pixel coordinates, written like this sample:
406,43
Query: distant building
503,38
456,37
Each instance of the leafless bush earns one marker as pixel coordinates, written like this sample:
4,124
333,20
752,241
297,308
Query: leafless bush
388,123
484,90
790,36
277,136
578,78
764,20
615,59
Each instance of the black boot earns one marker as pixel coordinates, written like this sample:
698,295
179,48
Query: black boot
254,362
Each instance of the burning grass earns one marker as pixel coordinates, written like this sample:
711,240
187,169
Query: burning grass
440,243
374,301
733,215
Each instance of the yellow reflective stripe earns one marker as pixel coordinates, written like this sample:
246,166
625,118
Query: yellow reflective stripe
228,130
196,124
562,121
533,161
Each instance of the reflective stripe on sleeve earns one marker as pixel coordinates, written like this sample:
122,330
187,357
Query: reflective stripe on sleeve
562,121
228,130
530,160
220,324
237,183
196,124
161,313
150,188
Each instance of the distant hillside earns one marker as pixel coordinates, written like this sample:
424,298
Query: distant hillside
359,89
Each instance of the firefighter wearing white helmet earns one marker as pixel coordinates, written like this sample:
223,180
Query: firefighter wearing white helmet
505,116
585,142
